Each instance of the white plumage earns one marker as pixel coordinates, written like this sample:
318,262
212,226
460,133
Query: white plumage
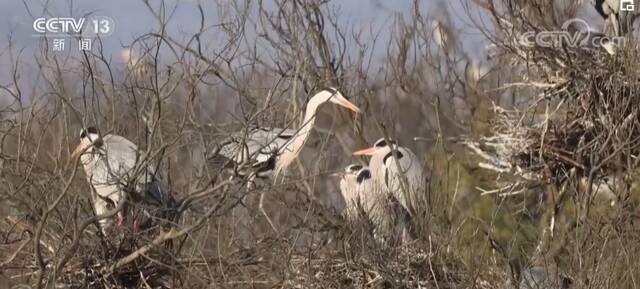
113,168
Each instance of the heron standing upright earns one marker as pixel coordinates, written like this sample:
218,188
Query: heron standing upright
364,200
267,151
356,189
117,175
398,171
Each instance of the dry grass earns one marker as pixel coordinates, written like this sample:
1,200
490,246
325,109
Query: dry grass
525,190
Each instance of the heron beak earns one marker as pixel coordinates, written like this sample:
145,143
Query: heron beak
346,103
366,152
337,174
77,152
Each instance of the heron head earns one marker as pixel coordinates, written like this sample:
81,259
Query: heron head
334,96
351,169
378,146
363,175
89,138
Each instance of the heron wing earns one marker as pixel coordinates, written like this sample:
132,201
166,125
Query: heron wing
124,158
258,147
408,169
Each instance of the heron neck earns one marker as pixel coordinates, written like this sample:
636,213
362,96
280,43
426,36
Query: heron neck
293,148
309,118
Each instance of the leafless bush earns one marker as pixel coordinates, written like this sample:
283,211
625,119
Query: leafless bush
557,121
572,136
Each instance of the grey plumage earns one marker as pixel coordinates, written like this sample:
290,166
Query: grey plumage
543,278
397,170
398,173
269,151
116,173
364,200
617,22
255,148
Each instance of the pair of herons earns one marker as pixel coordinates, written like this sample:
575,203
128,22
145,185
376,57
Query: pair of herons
119,174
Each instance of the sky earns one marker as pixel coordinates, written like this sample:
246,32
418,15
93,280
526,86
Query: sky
132,18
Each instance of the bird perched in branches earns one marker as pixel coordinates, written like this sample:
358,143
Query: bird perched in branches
397,171
355,186
119,176
268,151
364,201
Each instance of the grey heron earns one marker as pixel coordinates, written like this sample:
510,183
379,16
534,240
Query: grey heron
116,173
268,151
543,278
398,171
364,200
356,189
619,20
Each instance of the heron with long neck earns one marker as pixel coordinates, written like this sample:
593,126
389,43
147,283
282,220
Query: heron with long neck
268,151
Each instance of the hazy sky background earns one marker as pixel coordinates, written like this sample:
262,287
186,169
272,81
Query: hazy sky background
134,19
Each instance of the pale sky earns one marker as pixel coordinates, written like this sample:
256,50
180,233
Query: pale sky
133,19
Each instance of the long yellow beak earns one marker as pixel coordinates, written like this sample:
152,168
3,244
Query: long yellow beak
346,103
338,174
77,152
366,152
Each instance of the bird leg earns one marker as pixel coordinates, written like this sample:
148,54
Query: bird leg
120,218
136,226
252,185
260,205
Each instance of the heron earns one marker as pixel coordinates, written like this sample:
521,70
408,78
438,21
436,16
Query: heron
618,19
267,151
398,171
364,200
543,278
117,174
356,189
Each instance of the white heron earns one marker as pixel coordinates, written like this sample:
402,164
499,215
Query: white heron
398,171
269,151
112,167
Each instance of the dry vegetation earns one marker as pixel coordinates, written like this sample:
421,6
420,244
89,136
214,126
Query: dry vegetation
543,133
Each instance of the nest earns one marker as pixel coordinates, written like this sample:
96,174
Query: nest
411,268
583,120
93,273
